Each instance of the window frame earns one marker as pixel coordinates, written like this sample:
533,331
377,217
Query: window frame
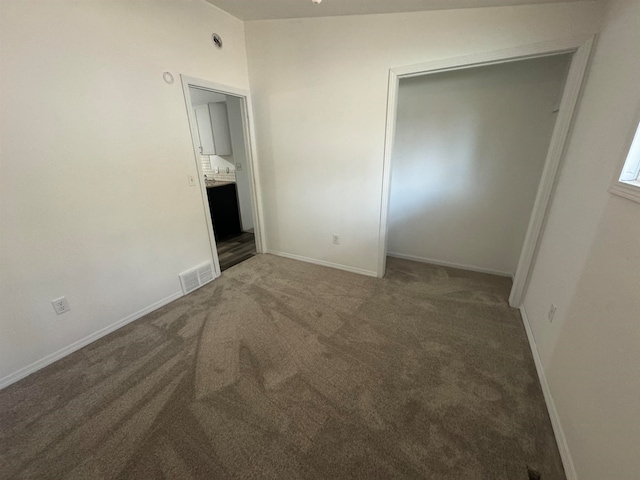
629,165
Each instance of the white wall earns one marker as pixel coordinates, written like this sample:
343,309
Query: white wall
96,150
234,109
319,88
469,151
589,266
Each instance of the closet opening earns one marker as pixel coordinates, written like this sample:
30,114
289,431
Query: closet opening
472,151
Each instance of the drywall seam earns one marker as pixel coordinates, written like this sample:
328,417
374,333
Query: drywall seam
77,345
346,268
449,264
561,440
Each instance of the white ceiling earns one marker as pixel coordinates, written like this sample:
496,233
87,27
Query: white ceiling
278,9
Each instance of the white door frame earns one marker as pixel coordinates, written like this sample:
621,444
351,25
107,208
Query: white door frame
250,147
581,49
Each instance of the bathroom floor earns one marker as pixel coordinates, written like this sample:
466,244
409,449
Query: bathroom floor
236,249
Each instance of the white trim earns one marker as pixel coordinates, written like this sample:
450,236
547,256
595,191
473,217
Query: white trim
450,264
77,345
524,52
250,147
254,174
218,87
581,48
626,190
193,128
561,440
555,155
389,139
346,268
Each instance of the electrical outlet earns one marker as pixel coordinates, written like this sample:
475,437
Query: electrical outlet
239,167
192,180
552,312
60,305
336,239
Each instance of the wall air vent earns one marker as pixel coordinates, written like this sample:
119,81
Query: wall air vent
196,277
205,274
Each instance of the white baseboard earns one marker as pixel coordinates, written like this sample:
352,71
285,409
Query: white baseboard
561,440
339,266
63,352
449,264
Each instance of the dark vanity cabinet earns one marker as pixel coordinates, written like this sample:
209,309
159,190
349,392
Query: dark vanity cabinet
223,205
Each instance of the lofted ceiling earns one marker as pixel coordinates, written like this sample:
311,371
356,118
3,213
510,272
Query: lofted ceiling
278,9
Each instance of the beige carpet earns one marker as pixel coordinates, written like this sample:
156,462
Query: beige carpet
282,370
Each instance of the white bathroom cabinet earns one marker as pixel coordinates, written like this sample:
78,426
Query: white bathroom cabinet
213,129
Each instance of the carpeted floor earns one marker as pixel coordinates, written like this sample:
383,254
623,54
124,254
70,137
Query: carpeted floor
282,370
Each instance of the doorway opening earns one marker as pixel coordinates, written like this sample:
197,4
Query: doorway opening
461,165
220,122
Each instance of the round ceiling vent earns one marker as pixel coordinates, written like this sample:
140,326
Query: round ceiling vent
217,40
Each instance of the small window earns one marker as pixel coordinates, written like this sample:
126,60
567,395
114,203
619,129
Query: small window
631,169
628,182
